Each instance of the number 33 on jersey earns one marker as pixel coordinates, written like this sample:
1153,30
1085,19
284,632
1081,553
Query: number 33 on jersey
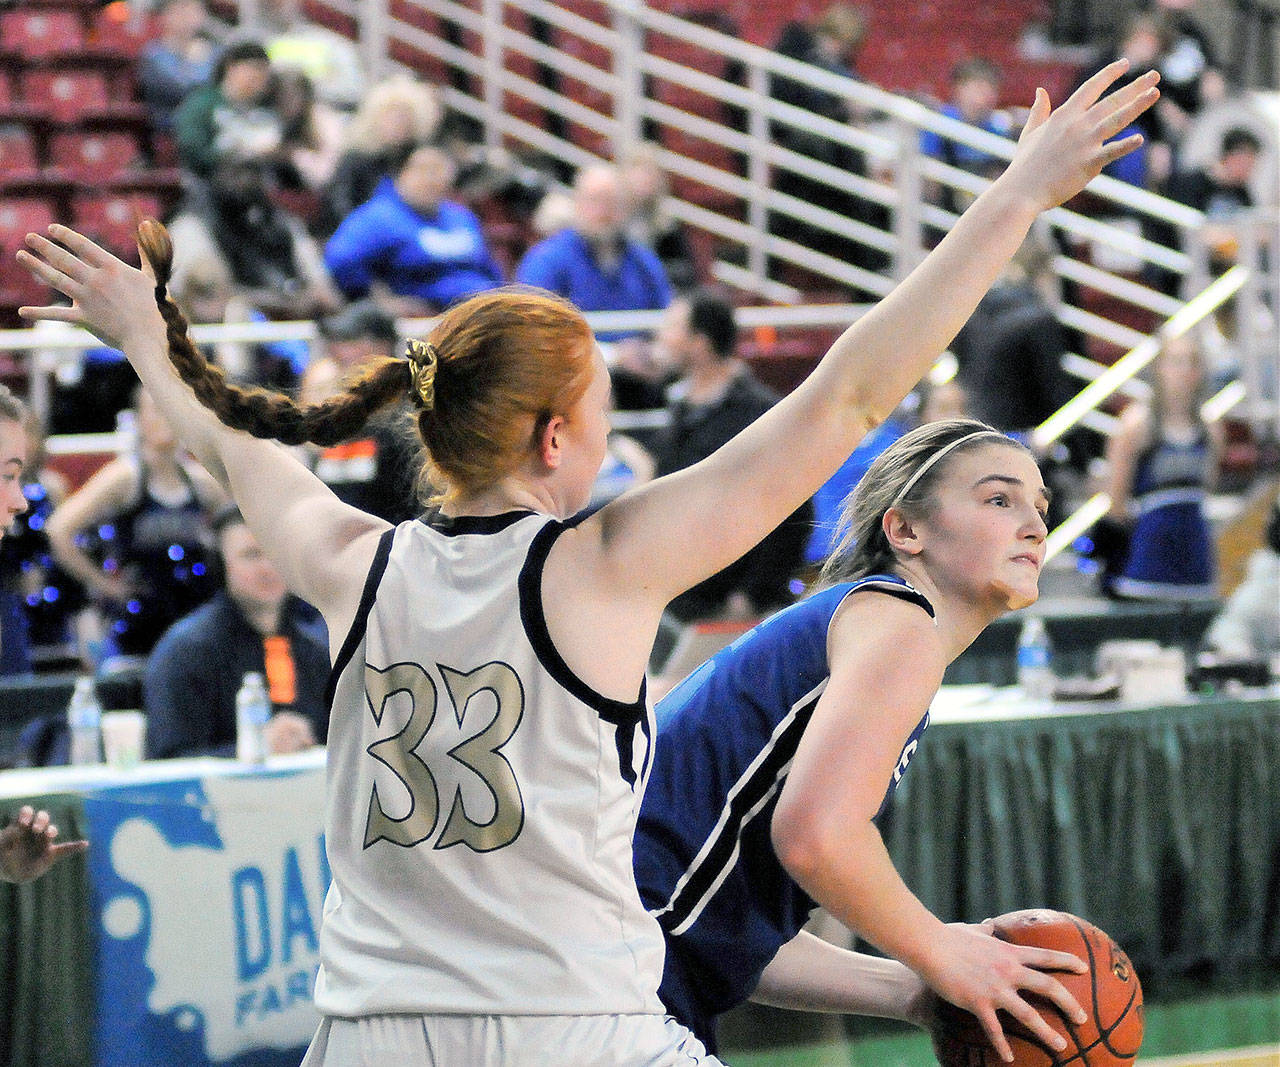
447,756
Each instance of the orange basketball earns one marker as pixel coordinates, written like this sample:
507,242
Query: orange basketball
1109,992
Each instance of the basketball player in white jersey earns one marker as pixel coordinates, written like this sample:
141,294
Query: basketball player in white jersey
489,738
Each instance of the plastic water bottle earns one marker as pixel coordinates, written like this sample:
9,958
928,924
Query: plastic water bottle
1035,660
84,721
253,710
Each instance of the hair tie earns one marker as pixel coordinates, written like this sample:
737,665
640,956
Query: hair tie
924,467
424,359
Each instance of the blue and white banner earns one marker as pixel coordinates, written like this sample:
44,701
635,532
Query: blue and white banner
207,894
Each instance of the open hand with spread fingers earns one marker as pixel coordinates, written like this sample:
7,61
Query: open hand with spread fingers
1062,149
29,846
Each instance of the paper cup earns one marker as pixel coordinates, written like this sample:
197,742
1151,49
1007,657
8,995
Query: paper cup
123,736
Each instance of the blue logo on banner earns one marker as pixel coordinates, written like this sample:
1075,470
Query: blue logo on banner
209,895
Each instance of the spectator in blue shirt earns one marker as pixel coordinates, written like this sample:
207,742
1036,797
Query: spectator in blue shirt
593,263
408,246
975,92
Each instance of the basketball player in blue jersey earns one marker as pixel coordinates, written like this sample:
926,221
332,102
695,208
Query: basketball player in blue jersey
774,758
489,736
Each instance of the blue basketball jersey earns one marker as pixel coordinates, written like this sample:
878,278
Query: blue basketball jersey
704,861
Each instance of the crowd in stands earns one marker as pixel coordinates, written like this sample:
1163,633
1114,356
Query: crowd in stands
310,191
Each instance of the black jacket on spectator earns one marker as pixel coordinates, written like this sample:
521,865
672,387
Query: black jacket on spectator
1010,354
195,671
763,574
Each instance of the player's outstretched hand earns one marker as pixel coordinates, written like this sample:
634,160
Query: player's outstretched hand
28,846
984,975
1062,149
111,299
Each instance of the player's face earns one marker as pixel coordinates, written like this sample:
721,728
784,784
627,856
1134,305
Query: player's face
587,433
984,537
13,458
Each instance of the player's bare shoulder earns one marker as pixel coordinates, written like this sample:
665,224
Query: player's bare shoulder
888,626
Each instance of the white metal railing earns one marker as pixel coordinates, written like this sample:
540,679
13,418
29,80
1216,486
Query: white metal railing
618,61
629,83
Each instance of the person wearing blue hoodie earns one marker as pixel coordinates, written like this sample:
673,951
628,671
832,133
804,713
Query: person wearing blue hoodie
592,262
424,251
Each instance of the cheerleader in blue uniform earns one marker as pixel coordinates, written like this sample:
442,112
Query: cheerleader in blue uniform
774,758
1163,459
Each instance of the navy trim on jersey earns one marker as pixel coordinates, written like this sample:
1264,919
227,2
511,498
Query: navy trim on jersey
456,525
625,716
361,622
894,586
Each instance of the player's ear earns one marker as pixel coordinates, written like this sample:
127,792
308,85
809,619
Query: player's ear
900,533
550,442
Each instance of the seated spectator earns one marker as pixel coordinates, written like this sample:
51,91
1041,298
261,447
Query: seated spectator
975,92
232,113
310,140
716,398
1162,461
149,511
207,297
1221,190
593,263
1190,79
395,115
1010,350
251,624
941,400
830,43
410,246
265,255
1144,38
177,61
649,222
332,62
1248,626
376,472
92,385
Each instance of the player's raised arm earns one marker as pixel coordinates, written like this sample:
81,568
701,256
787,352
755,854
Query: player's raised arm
677,530
305,528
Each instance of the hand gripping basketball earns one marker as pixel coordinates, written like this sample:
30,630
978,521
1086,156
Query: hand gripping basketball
1109,992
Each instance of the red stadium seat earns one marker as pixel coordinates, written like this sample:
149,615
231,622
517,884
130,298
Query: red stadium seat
116,29
18,217
112,218
94,156
36,32
19,159
66,94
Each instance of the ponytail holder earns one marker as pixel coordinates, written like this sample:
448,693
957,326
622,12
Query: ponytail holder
424,359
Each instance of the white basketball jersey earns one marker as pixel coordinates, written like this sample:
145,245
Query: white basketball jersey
482,799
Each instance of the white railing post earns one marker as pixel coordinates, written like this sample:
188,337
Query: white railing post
906,215
374,21
758,174
628,81
491,11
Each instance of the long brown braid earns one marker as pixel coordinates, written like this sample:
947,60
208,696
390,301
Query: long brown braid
264,412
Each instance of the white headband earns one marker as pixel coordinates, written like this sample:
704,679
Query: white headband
924,467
